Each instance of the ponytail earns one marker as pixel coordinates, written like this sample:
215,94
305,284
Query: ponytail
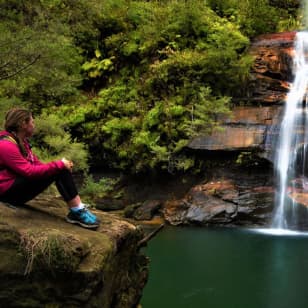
13,121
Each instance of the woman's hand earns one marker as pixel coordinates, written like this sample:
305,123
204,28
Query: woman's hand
68,164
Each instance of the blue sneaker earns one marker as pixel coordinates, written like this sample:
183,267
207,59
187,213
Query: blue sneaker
84,218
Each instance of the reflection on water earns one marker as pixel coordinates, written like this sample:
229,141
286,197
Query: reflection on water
279,232
225,268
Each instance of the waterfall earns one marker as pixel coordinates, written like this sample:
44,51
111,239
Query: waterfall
292,152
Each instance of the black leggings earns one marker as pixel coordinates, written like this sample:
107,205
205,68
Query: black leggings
24,190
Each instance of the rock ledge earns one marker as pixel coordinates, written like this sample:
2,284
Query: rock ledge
46,262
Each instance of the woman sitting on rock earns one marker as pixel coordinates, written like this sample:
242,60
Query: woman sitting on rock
23,176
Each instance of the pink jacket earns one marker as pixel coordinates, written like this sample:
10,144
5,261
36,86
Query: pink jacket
13,163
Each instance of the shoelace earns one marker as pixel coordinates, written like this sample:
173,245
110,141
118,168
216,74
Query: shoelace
87,215
86,206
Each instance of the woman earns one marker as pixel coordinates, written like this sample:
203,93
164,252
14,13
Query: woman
23,176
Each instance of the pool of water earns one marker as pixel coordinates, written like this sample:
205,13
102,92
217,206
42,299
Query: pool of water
227,268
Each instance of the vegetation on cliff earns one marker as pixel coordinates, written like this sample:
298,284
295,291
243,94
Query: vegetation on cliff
129,82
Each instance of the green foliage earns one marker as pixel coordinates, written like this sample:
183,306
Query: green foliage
92,189
132,80
52,142
173,67
42,66
255,17
82,17
248,159
96,67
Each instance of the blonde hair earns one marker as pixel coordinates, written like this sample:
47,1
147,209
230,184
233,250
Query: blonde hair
14,119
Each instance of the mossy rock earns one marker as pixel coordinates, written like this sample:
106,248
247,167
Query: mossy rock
46,261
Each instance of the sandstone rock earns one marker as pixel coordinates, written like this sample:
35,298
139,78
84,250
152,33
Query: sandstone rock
147,210
109,204
247,129
238,200
175,212
231,139
255,127
130,209
272,69
212,210
143,210
46,262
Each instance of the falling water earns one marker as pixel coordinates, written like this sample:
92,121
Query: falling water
292,154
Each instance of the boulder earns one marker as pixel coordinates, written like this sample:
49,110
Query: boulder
147,210
109,204
238,199
143,210
46,262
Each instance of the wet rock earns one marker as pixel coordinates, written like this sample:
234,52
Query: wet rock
130,209
272,69
250,115
232,138
48,262
239,200
247,129
213,210
299,196
143,211
174,212
109,204
206,204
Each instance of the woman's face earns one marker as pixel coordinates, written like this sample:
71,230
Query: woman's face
28,127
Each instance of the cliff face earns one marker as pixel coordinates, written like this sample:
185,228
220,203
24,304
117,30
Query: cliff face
46,262
254,127
246,130
272,70
243,192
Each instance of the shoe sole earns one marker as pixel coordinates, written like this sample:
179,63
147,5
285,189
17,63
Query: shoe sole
76,222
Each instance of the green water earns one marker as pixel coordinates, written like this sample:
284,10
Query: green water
226,268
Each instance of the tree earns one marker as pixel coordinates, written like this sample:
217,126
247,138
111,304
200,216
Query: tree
255,17
166,71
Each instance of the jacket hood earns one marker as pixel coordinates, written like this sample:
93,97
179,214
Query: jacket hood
4,133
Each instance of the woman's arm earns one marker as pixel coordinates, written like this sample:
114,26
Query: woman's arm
11,158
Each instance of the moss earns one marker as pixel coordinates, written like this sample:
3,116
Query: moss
67,266
11,261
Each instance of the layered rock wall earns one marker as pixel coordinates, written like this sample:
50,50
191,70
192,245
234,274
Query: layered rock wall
272,69
255,126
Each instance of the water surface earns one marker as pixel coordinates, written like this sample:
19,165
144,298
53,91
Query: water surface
226,268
